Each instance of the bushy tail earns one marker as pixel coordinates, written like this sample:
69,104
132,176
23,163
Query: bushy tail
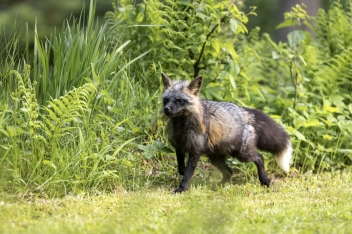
284,158
271,137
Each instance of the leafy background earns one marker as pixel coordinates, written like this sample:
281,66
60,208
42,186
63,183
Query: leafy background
79,109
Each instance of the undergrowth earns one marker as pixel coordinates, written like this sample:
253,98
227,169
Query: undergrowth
83,116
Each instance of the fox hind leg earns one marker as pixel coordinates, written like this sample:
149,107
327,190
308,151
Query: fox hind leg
219,161
258,160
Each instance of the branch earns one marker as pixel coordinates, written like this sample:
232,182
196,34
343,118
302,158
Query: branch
294,83
196,65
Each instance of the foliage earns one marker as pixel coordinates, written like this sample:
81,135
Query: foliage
186,38
65,125
271,8
310,84
86,119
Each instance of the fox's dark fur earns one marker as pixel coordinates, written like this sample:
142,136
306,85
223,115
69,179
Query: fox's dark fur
218,130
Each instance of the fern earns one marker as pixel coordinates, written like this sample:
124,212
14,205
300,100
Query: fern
23,133
334,46
26,110
337,75
62,114
35,138
333,29
316,104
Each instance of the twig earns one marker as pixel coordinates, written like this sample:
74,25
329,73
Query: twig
196,64
294,83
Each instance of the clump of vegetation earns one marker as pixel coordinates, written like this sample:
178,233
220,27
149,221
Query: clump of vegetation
308,83
67,118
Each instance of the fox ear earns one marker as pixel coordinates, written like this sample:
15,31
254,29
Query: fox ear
166,81
195,85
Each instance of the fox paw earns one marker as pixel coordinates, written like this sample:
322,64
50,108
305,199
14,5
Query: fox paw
180,190
265,182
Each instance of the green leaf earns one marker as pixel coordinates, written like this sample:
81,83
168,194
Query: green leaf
328,108
346,151
232,81
299,135
295,37
96,78
312,123
275,55
286,23
306,23
49,163
233,25
327,137
121,146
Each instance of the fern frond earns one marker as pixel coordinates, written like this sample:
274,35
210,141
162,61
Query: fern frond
337,73
61,112
25,98
332,29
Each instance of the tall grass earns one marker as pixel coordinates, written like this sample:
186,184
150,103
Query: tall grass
67,57
9,56
75,115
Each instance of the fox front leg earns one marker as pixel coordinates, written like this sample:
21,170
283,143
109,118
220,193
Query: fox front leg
180,162
191,166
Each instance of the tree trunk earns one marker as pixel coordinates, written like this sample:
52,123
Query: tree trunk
285,6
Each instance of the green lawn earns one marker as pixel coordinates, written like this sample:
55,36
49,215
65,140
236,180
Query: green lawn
303,204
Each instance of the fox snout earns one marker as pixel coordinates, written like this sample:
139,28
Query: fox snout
167,110
175,106
170,110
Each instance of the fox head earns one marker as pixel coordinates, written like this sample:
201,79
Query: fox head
181,98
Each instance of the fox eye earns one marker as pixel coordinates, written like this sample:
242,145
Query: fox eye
180,101
165,100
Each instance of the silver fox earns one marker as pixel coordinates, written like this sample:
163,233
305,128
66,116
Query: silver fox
219,129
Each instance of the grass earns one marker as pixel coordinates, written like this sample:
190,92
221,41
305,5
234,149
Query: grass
303,204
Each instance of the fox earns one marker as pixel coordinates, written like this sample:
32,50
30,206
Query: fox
219,130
